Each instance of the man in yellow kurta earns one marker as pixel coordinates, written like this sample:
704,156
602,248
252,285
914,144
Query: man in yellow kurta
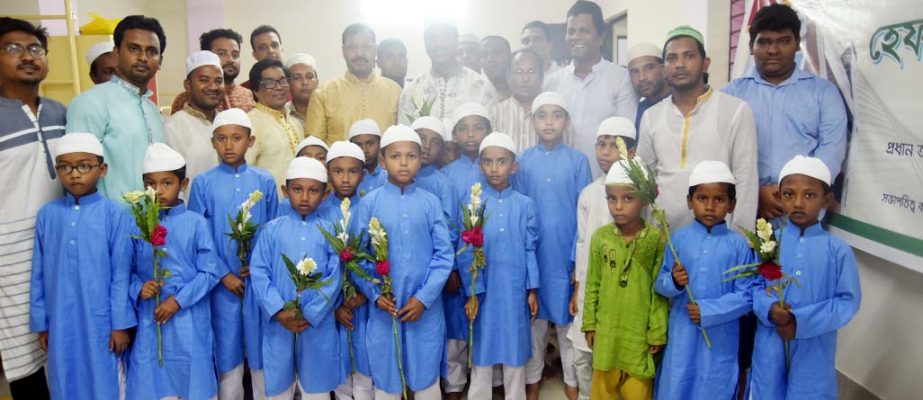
276,133
360,94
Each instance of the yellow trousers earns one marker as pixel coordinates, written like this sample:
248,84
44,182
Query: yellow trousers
617,384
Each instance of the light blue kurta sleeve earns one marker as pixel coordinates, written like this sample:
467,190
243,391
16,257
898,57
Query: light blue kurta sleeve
261,264
584,175
831,314
360,224
532,271
734,304
86,114
206,265
441,263
271,199
762,302
197,201
664,285
120,245
38,313
831,148
317,305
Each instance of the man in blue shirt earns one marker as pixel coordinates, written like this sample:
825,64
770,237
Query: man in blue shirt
645,67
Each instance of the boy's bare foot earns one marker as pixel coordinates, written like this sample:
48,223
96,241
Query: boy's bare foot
533,390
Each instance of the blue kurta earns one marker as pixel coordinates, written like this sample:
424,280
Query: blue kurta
81,261
502,328
463,173
188,369
828,298
553,180
420,254
372,180
217,194
318,358
691,370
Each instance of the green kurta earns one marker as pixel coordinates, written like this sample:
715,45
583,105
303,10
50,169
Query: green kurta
630,318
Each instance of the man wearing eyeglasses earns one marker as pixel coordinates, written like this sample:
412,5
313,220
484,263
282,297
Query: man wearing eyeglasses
359,94
119,112
276,133
29,127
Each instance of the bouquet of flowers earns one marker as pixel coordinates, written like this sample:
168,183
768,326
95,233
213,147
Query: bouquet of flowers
473,236
243,229
766,245
305,276
646,185
424,107
146,210
350,250
380,244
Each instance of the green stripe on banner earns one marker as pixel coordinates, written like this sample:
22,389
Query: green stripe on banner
907,244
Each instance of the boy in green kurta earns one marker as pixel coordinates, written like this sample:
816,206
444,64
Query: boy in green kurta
624,320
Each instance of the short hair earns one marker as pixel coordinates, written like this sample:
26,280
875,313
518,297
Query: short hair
180,173
503,40
139,22
257,71
261,30
356,28
596,13
531,53
389,42
777,17
8,25
94,66
731,191
205,41
429,28
539,25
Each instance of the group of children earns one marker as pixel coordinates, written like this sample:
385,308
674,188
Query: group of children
560,251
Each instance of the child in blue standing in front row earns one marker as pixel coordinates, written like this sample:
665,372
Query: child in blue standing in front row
218,194
184,315
826,298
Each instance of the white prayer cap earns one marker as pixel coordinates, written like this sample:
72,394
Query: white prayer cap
343,148
431,123
643,50
306,167
498,139
467,110
99,49
231,116
300,58
617,126
399,133
709,171
160,158
618,172
810,166
364,127
552,98
201,58
468,38
78,143
311,141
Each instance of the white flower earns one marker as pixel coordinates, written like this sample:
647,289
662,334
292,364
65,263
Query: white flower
133,197
763,229
474,219
344,208
623,148
377,232
151,193
343,237
240,227
246,216
255,196
475,197
768,247
306,266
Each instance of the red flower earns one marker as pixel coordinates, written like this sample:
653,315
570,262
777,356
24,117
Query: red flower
656,191
159,236
346,255
770,270
383,267
474,236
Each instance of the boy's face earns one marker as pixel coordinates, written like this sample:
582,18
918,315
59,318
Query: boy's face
469,132
450,152
344,174
78,183
316,152
710,203
802,199
549,122
498,164
624,204
607,152
402,161
231,142
431,146
167,185
369,145
305,194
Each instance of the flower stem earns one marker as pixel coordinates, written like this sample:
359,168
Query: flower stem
788,356
474,277
157,304
400,362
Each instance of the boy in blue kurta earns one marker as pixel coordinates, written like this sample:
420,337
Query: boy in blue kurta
826,298
310,361
706,248
552,175
366,134
184,316
218,194
81,261
503,299
420,255
432,136
470,125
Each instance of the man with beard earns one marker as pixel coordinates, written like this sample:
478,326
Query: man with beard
448,84
102,62
595,88
276,133
303,83
189,131
536,36
392,60
359,94
697,123
645,66
119,112
29,128
226,44
495,59
514,115
267,44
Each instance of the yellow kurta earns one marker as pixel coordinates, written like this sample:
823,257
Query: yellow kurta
340,102
277,135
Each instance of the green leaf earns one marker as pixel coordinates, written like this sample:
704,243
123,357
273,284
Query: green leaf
354,267
740,267
292,270
741,275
